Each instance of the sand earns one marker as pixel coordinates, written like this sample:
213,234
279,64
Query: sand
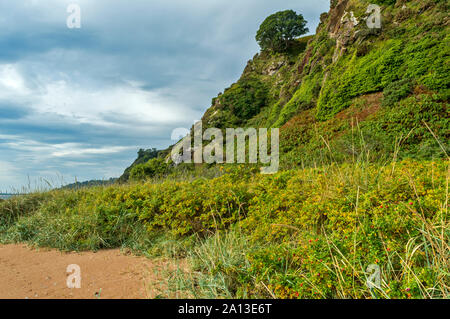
27,273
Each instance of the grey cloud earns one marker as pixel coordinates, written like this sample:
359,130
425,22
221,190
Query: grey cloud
170,56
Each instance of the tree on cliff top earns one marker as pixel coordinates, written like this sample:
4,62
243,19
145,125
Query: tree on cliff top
279,29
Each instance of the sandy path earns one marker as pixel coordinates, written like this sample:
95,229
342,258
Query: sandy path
30,273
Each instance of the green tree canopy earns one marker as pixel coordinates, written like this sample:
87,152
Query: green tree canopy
279,29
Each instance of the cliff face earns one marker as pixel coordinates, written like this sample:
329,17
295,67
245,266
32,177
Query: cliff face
391,74
347,58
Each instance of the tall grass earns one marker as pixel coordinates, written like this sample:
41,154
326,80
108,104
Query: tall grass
216,265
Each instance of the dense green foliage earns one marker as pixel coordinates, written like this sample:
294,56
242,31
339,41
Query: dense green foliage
394,60
370,132
308,233
386,2
156,167
279,29
241,102
91,183
143,157
396,91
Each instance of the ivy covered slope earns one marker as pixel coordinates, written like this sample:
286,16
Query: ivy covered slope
385,82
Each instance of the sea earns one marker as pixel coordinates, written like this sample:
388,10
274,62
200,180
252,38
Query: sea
5,196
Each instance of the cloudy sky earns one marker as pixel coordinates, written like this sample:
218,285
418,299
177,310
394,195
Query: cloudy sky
79,103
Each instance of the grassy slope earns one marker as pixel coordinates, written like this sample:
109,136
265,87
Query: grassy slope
364,180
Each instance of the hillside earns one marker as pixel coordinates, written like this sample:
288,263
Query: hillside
143,157
385,83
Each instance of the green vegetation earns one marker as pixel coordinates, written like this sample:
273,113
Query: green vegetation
279,29
368,131
240,102
396,91
143,157
91,183
393,61
155,167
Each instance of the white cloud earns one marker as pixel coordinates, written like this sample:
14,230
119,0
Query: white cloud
74,150
12,84
89,106
44,151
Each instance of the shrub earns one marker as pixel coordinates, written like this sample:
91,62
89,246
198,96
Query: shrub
198,207
244,99
156,167
143,157
312,234
396,91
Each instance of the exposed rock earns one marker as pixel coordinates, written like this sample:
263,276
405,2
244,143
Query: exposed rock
274,67
346,28
305,60
336,14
